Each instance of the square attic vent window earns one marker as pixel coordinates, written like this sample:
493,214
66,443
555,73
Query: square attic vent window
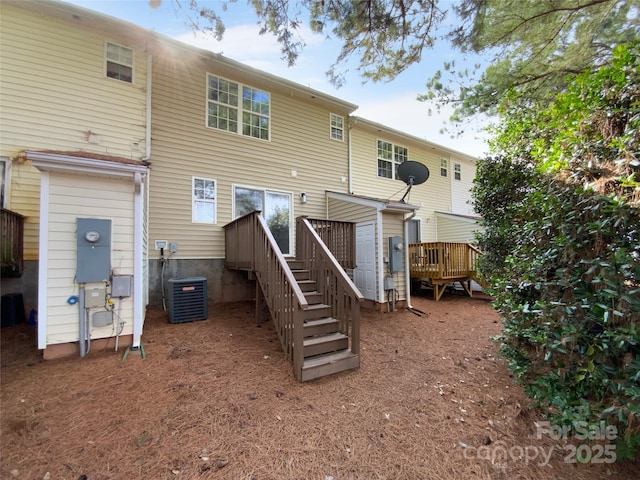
119,62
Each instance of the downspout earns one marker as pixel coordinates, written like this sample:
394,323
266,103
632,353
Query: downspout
350,158
406,260
82,321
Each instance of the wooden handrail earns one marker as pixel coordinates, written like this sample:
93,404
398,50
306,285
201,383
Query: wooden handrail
339,292
251,246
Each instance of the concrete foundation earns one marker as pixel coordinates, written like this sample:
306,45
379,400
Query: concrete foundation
222,285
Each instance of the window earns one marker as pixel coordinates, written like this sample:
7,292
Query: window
204,200
119,62
4,178
413,230
457,172
389,157
237,108
275,208
444,167
337,127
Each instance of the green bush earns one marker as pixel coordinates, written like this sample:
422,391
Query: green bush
561,216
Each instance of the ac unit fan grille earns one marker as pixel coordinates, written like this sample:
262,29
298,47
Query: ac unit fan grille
187,299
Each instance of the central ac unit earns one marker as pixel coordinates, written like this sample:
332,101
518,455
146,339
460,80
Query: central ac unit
187,299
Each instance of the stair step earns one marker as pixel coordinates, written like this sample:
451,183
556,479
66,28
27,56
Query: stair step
307,285
323,326
325,344
328,364
313,297
301,274
316,311
295,264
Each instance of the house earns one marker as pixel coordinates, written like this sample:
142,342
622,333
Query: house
136,160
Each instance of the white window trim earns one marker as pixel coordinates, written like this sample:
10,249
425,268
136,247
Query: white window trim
394,164
264,191
457,172
133,63
240,110
445,168
332,116
214,201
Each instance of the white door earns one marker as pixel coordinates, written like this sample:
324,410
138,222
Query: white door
365,271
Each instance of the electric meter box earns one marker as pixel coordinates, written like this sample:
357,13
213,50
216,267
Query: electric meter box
395,254
93,250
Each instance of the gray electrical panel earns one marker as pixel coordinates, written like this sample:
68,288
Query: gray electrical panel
395,254
94,250
121,286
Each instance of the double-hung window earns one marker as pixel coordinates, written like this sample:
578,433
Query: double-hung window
275,208
203,200
457,171
444,167
337,127
119,62
238,108
390,156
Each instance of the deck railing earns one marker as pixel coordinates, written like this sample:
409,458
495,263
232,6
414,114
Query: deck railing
339,291
339,237
251,246
443,260
11,243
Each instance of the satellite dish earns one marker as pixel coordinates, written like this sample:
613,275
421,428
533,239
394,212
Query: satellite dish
412,173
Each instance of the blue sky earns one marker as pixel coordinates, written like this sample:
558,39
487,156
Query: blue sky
391,103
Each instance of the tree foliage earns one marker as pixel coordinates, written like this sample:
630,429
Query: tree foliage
527,46
561,213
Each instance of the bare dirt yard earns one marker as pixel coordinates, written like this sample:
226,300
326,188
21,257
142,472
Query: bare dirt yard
216,400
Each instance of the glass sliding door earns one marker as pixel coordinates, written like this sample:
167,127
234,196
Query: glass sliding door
275,208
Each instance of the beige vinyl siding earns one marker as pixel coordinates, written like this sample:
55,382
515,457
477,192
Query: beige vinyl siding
71,197
25,199
53,92
393,226
350,212
461,189
452,229
433,195
299,157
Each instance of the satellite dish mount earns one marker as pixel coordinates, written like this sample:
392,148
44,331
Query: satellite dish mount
412,173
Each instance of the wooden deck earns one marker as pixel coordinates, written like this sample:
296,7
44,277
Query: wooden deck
442,263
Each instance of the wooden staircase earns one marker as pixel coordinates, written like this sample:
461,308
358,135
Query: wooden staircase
314,305
326,349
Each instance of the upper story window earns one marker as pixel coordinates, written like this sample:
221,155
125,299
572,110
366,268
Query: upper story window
203,200
389,157
457,171
119,62
444,167
337,127
238,108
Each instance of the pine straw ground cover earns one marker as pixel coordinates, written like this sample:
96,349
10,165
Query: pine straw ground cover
216,400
